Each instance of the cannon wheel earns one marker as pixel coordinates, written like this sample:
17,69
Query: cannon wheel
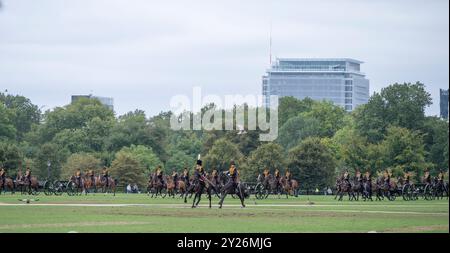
259,189
406,192
48,188
427,192
70,188
164,192
58,188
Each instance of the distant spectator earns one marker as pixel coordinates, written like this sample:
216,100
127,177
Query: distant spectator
329,191
129,190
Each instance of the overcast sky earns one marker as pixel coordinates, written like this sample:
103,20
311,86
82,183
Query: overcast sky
143,52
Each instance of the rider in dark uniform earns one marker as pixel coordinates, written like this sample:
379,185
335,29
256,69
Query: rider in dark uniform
175,178
199,183
288,178
277,177
92,176
3,178
346,177
78,177
232,183
185,177
160,176
28,177
387,179
105,175
427,177
441,176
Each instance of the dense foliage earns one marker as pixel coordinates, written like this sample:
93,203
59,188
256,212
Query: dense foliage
316,140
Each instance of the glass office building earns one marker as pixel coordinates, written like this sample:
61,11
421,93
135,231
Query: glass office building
338,80
443,103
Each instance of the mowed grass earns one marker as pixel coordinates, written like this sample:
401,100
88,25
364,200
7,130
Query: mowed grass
144,214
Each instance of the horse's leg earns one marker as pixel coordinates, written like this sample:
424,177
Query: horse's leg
193,202
209,197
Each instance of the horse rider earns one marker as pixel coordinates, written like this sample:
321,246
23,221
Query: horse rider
3,178
78,177
427,177
346,177
441,176
368,176
199,173
278,177
185,177
19,176
28,176
387,179
105,175
160,176
91,174
288,178
232,183
175,178
406,177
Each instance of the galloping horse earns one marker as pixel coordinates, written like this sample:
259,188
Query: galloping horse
344,186
106,186
9,184
290,187
89,184
271,183
155,186
174,189
367,189
78,184
356,186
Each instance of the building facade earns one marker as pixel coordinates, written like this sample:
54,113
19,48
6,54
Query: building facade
444,103
106,101
338,80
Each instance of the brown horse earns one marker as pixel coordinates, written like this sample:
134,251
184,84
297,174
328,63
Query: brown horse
89,184
31,185
290,187
9,184
106,186
174,189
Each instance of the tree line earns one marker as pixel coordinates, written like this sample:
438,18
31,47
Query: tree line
317,140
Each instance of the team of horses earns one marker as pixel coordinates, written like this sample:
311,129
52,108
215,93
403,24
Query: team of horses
213,184
20,184
270,184
85,184
385,187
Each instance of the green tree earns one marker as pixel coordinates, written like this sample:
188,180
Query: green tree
352,149
10,156
269,155
297,129
80,161
290,107
221,153
179,160
436,142
53,153
24,113
145,156
127,170
74,116
401,105
312,163
7,130
403,150
331,117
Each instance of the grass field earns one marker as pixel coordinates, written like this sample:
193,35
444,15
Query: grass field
139,213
